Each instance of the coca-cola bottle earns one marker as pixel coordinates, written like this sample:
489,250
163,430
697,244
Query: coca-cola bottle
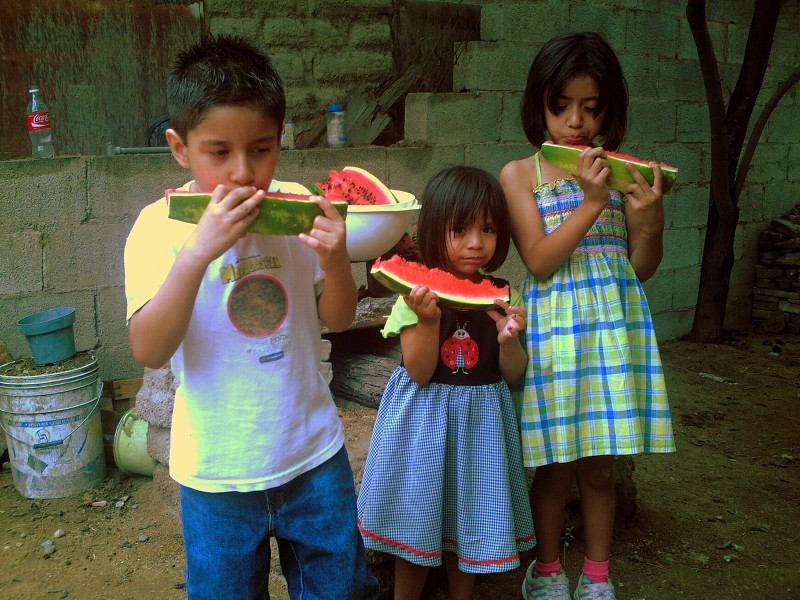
39,127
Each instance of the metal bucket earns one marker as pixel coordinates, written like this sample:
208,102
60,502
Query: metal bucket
54,432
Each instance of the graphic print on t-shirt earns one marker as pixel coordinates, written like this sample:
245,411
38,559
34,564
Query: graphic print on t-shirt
460,351
257,305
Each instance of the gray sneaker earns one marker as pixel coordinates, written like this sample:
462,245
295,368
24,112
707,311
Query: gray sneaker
587,590
555,587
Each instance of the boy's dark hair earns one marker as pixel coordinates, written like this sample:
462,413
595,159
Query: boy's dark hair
453,199
560,60
222,71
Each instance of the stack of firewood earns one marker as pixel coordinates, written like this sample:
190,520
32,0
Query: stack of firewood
776,291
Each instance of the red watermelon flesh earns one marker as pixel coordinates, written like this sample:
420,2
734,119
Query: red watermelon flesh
566,158
400,276
355,186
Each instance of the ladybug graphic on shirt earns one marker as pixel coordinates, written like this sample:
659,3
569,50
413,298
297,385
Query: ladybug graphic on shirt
460,351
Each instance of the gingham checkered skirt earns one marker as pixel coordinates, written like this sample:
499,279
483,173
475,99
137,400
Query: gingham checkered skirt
595,384
444,473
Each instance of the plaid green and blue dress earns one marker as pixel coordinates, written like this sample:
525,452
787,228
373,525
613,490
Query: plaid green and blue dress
595,384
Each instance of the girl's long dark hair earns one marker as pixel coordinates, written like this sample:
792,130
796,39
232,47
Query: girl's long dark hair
563,58
453,199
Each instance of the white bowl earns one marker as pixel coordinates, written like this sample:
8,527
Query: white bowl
373,233
403,196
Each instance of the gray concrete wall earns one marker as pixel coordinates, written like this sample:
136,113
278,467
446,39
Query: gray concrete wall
63,222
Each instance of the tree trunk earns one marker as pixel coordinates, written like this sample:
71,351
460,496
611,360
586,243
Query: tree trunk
715,276
728,128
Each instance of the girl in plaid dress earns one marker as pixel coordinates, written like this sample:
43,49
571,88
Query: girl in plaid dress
443,480
595,386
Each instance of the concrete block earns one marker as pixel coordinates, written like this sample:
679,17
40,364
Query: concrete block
245,26
325,346
156,397
686,207
133,181
510,119
522,21
21,258
457,118
493,157
687,48
686,284
652,120
49,193
376,35
326,370
662,33
673,324
86,255
693,124
158,439
679,82
359,65
659,291
682,248
114,355
638,71
783,126
411,167
476,67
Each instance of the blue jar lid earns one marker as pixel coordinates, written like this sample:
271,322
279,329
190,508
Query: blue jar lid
335,107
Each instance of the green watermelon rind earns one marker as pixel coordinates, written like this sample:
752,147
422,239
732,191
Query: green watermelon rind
566,158
386,272
277,216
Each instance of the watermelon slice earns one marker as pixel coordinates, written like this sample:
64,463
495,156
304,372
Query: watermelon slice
280,214
566,157
355,186
400,276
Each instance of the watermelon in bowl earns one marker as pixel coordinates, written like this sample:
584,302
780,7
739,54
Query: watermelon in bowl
566,158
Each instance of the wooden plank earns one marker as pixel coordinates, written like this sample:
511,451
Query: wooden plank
365,116
118,389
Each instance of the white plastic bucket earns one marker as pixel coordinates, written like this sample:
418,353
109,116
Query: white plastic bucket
130,445
54,431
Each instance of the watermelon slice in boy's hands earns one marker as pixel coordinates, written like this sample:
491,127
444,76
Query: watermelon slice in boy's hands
400,276
566,158
279,213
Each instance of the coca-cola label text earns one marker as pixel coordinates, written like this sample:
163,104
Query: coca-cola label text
38,120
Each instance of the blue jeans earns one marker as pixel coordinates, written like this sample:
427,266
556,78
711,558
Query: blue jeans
313,518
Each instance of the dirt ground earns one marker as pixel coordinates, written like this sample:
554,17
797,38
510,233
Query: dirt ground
717,519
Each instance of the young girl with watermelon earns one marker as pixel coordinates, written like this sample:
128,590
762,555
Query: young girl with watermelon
595,387
443,480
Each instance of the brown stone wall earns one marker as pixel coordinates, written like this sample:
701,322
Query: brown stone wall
776,286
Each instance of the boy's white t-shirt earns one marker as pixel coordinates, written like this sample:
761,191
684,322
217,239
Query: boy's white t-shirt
252,410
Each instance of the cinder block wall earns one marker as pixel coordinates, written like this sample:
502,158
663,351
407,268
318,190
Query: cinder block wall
63,222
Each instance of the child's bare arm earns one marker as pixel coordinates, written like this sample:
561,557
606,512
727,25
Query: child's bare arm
157,329
510,327
420,342
543,254
337,303
644,214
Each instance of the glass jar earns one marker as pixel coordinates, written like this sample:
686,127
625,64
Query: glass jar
335,118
